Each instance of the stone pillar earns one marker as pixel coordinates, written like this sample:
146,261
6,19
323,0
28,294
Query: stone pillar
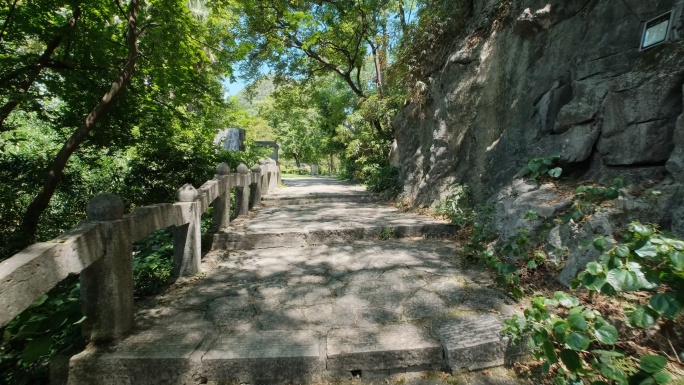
242,190
107,285
187,245
255,188
275,177
264,176
221,216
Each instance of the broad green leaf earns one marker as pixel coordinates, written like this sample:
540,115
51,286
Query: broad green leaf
643,281
647,251
610,371
652,363
593,282
555,172
622,251
608,289
606,334
640,229
666,304
577,341
600,244
41,300
37,348
677,260
577,322
594,268
608,353
576,310
643,317
559,331
662,377
550,352
623,280
565,299
571,360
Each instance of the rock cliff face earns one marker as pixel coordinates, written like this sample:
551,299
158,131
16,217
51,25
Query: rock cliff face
538,77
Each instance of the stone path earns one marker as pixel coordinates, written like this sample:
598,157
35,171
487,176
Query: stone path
308,293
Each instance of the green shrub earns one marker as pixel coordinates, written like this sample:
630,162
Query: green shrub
456,206
646,260
49,326
544,166
577,344
382,179
587,198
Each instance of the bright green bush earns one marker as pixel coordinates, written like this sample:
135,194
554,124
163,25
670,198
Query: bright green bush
383,179
576,345
645,260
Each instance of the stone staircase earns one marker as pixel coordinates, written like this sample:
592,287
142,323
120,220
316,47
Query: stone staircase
321,284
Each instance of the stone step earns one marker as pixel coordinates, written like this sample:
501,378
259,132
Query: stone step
320,223
294,238
294,356
313,198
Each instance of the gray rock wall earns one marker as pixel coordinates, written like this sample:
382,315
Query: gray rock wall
548,76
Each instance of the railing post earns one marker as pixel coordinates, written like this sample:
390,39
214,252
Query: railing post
264,176
221,216
273,171
255,188
187,246
242,191
107,284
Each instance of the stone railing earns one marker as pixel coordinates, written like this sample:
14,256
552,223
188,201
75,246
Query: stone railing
101,249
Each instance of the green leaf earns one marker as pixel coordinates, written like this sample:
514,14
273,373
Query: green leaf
642,378
608,289
647,251
577,341
652,363
571,360
606,334
517,292
41,300
577,322
662,377
666,304
643,317
609,370
640,229
600,244
565,299
593,282
677,260
622,251
549,352
594,268
608,353
555,172
623,280
37,348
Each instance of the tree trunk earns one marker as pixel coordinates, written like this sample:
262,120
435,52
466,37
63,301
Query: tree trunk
297,162
8,19
34,211
402,17
34,71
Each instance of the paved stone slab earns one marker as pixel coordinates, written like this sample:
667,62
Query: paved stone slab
472,342
267,356
381,348
151,357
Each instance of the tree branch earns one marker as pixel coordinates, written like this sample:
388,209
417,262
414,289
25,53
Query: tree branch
35,70
34,211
